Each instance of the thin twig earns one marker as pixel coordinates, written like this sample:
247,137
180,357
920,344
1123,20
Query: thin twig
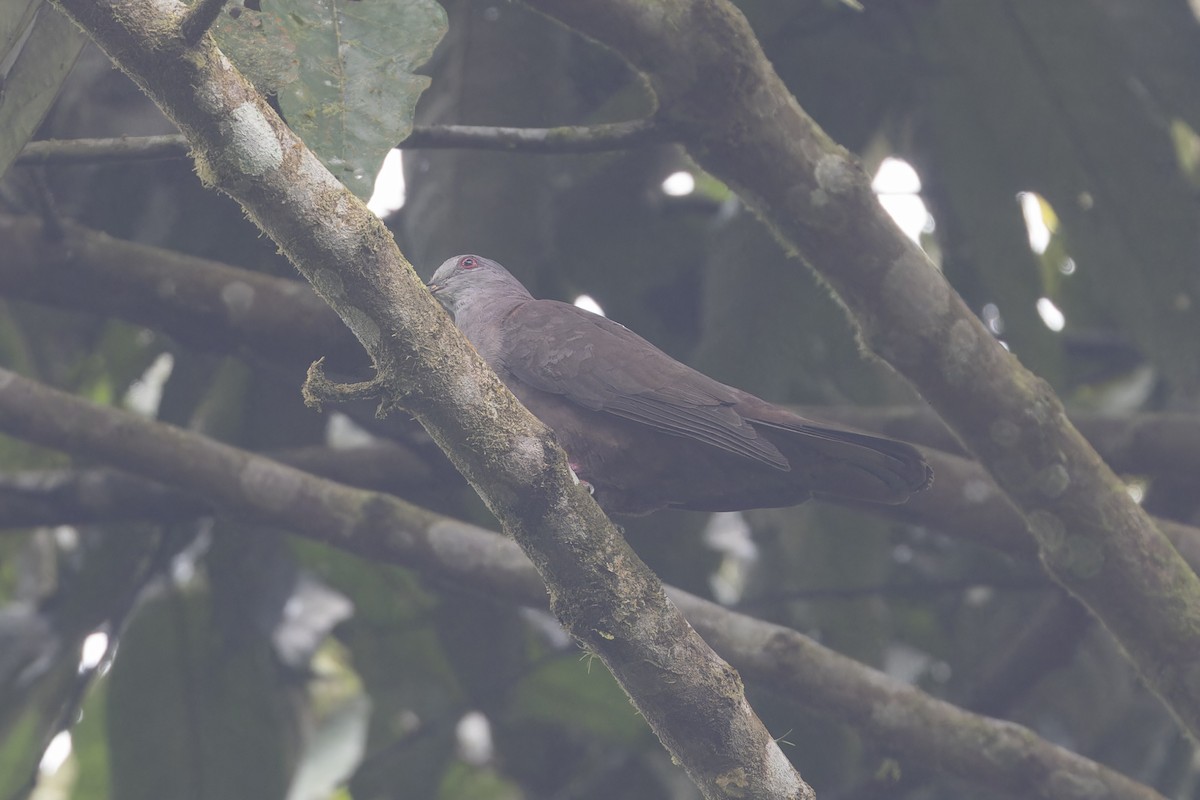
563,139
102,151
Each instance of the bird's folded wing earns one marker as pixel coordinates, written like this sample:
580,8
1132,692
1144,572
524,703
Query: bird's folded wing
603,366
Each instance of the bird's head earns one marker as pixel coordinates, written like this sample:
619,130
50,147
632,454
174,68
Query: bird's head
463,280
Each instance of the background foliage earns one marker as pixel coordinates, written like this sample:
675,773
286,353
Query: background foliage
251,664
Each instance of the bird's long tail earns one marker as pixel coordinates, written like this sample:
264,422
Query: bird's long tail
853,466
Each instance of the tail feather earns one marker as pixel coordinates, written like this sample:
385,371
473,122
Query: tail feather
854,466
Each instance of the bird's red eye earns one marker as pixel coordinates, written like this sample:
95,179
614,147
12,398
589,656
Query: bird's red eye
469,262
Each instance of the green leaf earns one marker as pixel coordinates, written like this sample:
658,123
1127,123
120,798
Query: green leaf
191,714
463,780
576,695
89,746
414,691
356,94
21,748
38,47
259,45
333,750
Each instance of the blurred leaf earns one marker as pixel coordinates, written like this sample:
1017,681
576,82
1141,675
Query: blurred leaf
36,672
575,694
189,715
120,356
89,745
465,781
38,47
15,353
485,643
1072,124
794,342
356,94
39,648
1187,148
415,695
333,750
21,748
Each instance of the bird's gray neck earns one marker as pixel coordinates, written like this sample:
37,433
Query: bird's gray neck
479,315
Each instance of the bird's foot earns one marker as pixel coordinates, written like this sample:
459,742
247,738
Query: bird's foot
575,474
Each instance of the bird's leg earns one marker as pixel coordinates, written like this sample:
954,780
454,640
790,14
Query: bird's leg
575,474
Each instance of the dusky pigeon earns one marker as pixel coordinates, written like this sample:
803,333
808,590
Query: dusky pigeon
647,432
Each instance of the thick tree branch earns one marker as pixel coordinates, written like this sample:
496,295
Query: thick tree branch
600,590
203,304
563,139
98,495
898,717
965,504
1159,443
718,92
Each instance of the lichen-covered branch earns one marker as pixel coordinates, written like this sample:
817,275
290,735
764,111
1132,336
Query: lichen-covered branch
203,304
716,89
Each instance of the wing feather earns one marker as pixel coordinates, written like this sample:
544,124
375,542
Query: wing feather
603,366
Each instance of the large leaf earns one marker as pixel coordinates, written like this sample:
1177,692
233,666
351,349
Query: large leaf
414,692
572,694
357,91
192,715
89,745
38,47
259,45
1075,125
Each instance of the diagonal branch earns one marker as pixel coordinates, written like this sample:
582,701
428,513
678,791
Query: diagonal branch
898,717
601,592
717,90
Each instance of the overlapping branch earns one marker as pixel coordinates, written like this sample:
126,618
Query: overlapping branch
600,590
899,718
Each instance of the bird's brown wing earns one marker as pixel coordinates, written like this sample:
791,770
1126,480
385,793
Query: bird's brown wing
603,366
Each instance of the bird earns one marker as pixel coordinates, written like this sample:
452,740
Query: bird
646,432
